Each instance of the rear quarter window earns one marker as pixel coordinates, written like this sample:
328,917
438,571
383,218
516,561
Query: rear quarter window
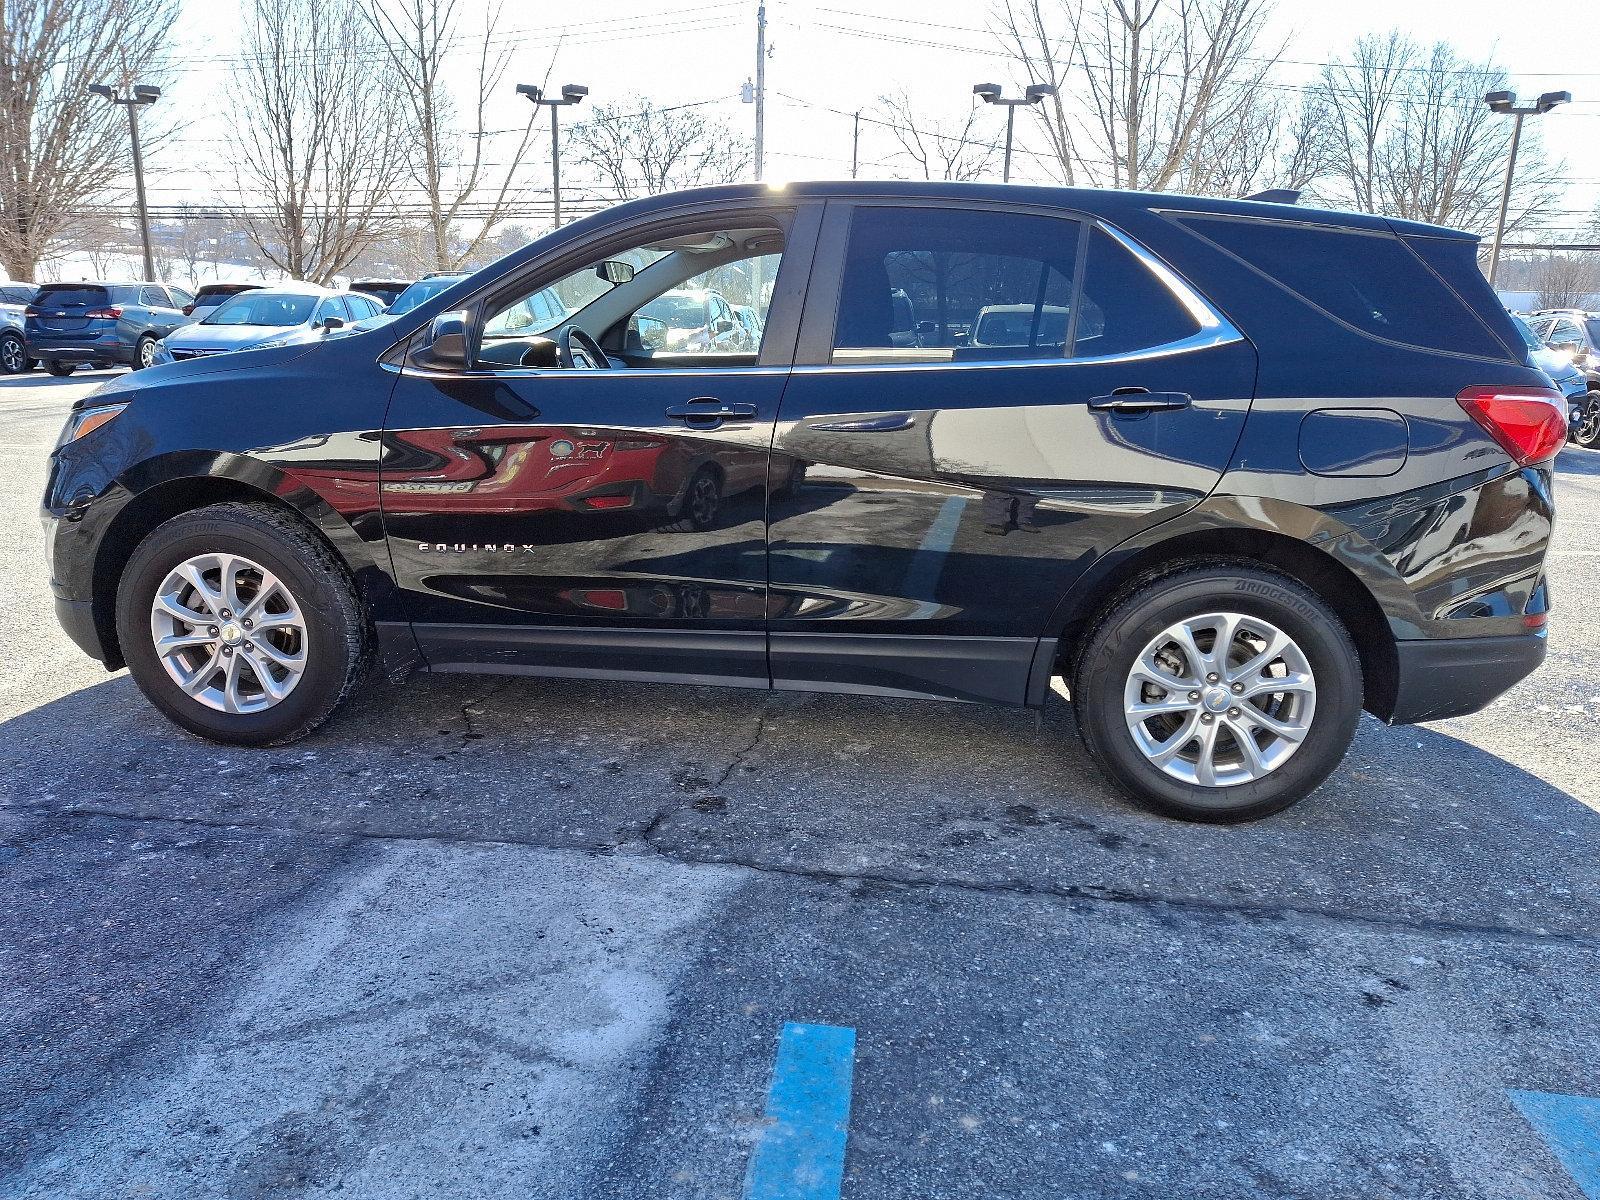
1370,281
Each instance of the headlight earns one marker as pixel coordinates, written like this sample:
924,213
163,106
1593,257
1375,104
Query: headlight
86,420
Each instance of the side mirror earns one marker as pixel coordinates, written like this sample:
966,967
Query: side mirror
447,339
331,323
614,272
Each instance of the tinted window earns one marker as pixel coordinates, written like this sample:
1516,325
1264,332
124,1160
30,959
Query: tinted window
180,297
1370,281
917,280
154,297
19,295
1565,333
254,308
423,289
333,306
1594,330
1125,307
69,295
1456,260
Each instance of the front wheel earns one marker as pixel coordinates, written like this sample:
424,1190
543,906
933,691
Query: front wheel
58,368
144,354
1586,432
1218,692
239,624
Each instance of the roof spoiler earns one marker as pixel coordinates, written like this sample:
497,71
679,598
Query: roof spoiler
1277,196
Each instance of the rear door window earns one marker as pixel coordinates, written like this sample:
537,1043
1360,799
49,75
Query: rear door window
154,297
1370,281
949,284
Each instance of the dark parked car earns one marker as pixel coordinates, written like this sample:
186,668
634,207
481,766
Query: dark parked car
213,296
386,290
423,289
69,324
1279,465
14,301
1575,335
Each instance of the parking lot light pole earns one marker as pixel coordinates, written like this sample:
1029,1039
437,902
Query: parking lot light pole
142,94
571,93
991,93
1506,102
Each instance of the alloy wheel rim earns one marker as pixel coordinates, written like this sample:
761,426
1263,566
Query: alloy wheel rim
229,633
1220,699
703,504
13,355
147,353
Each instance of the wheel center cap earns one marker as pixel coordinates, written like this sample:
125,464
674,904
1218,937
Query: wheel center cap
1216,699
232,635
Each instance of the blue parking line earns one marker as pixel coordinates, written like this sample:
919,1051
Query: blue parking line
927,564
1571,1124
801,1155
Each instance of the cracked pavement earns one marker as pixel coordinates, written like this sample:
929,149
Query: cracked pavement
489,937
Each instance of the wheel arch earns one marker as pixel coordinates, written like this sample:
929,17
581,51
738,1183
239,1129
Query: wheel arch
161,490
1309,564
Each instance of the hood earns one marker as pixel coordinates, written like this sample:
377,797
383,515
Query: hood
1563,372
232,337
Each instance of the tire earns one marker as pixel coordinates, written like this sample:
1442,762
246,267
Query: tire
13,355
144,353
1586,432
58,368
700,506
331,637
1323,715
792,482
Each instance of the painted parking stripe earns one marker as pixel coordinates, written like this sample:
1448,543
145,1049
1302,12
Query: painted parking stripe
801,1153
1571,1124
927,564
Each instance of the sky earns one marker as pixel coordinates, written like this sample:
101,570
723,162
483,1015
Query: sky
829,57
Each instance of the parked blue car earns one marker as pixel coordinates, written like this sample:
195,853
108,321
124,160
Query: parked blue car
69,324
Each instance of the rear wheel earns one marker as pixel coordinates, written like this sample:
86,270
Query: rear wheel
1586,432
144,353
13,354
240,625
58,368
1218,692
701,503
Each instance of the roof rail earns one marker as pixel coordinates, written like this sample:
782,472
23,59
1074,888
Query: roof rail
1277,196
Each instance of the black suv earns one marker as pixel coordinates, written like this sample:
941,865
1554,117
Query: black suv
1246,470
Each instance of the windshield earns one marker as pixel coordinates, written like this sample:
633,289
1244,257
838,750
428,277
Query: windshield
255,308
677,310
1529,338
422,290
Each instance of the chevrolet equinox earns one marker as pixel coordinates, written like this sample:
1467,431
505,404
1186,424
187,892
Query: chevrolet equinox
1234,471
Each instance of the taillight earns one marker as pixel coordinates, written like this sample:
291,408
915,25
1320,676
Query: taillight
188,310
30,311
1530,423
104,314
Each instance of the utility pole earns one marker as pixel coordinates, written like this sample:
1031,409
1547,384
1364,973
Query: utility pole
1506,102
142,94
991,95
761,87
855,146
571,93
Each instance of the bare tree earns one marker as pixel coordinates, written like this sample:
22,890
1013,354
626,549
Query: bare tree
318,127
638,148
938,149
1405,132
1158,94
1566,280
192,244
60,148
449,162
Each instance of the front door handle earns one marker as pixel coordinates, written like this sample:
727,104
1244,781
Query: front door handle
707,412
1140,400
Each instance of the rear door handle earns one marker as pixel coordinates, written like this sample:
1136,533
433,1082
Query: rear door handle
707,412
1140,400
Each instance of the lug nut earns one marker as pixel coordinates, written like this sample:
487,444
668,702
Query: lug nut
227,652
226,614
1237,688
1194,696
212,630
1233,712
1212,678
1206,718
251,625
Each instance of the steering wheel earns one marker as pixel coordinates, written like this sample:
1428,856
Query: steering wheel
575,348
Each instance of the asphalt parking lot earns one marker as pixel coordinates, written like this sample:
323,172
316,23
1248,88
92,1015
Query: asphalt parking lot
494,938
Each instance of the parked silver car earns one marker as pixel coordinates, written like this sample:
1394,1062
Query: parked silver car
269,316
14,298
